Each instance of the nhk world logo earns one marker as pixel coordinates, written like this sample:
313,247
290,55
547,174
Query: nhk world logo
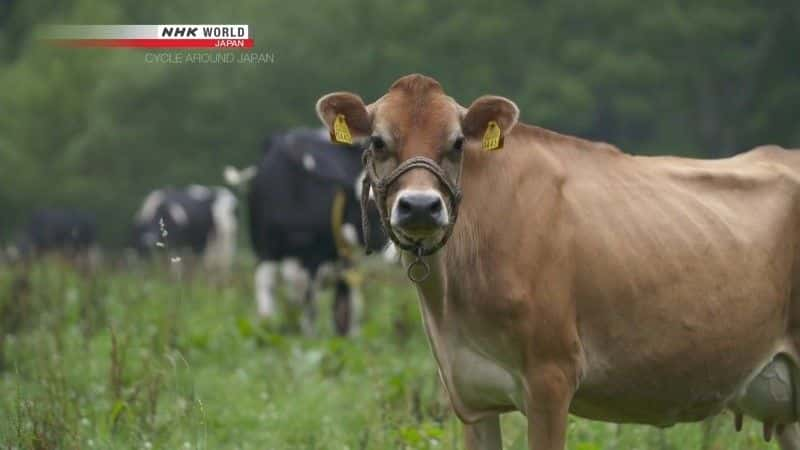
151,36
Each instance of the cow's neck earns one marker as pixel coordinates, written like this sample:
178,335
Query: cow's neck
431,290
499,188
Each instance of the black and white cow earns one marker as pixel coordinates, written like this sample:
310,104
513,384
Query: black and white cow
198,218
67,231
293,212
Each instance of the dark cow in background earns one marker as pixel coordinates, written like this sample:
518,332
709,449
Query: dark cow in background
198,218
71,233
304,216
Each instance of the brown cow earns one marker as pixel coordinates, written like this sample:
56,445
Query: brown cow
580,279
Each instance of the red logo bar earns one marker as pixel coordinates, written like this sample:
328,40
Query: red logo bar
230,44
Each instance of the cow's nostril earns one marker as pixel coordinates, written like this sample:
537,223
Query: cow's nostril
419,211
404,206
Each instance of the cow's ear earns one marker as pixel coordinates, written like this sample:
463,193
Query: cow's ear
340,108
485,115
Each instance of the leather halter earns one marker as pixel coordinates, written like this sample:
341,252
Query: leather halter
381,187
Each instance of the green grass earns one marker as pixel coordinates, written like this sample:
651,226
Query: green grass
143,358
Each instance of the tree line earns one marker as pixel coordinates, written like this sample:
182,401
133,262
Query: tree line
98,129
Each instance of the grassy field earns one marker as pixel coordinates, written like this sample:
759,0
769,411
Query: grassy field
149,358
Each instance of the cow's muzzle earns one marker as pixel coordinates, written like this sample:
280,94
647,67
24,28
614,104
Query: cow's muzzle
418,212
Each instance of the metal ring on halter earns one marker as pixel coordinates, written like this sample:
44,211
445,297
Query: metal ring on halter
419,262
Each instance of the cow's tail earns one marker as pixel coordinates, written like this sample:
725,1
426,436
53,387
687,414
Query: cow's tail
238,178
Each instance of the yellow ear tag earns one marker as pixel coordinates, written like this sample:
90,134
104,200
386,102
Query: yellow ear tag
340,132
493,138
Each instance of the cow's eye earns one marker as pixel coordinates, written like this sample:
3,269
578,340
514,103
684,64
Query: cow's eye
458,144
378,143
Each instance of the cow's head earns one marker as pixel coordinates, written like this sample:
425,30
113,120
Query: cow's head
416,122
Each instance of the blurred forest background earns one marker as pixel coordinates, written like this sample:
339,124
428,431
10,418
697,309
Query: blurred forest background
98,129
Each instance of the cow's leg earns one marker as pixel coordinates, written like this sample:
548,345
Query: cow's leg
549,392
326,276
484,435
309,321
265,288
356,308
298,278
789,439
347,302
223,212
341,307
